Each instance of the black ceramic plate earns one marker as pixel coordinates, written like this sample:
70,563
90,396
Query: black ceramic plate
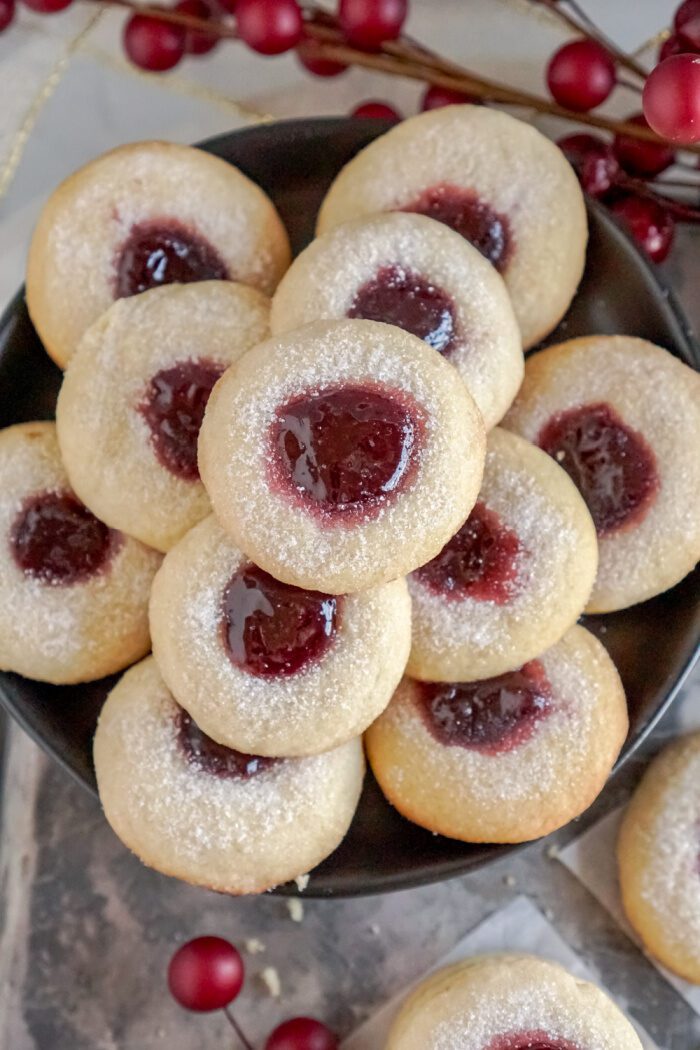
652,644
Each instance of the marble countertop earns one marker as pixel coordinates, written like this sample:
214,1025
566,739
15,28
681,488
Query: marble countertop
85,930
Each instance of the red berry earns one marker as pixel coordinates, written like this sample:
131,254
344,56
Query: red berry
269,26
671,99
577,147
581,75
369,23
153,44
639,157
205,974
302,1033
436,97
687,23
593,160
7,13
674,45
196,42
648,222
47,7
376,111
319,66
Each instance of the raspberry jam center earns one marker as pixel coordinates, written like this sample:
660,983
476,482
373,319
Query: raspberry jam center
493,716
173,407
271,628
538,1040
405,299
55,539
165,252
479,562
205,754
346,449
463,211
612,465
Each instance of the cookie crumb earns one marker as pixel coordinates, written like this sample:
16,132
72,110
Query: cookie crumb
375,929
302,882
295,909
254,946
509,880
552,851
271,979
548,914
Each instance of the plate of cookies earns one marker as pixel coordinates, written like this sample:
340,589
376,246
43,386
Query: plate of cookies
349,483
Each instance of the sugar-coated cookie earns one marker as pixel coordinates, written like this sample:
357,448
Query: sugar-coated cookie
341,455
140,216
74,592
133,399
214,817
507,759
514,578
622,417
509,1001
416,273
266,667
658,854
497,181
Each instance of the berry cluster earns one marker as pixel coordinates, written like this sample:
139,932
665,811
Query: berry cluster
580,76
207,974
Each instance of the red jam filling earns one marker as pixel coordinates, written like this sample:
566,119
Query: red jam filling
173,406
612,465
491,716
165,252
479,562
271,628
205,754
55,539
346,449
537,1040
405,299
467,214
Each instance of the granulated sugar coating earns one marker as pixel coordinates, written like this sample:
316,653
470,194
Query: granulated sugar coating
509,1002
465,638
521,793
233,835
659,858
290,538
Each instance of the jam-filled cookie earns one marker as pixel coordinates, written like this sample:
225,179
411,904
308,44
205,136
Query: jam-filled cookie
341,455
495,180
622,417
74,592
264,666
658,855
133,400
144,215
509,1001
514,578
190,808
411,271
509,758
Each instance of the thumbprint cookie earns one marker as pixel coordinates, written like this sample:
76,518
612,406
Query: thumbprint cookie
74,592
658,856
509,758
264,666
509,1001
341,455
133,400
418,274
514,578
140,216
190,808
622,417
498,182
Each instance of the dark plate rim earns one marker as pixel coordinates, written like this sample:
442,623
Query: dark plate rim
448,868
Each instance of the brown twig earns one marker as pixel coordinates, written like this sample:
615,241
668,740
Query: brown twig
683,212
586,27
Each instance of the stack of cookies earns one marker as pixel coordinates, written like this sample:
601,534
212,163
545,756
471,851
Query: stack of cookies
308,506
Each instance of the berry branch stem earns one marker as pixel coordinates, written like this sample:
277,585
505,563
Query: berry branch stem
586,26
237,1028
